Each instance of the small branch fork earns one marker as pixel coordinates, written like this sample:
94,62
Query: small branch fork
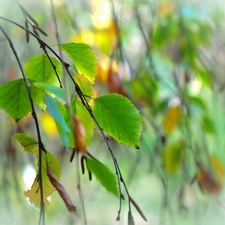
84,101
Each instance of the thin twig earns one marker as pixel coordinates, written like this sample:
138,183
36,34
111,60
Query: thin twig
119,43
147,41
54,67
119,46
138,17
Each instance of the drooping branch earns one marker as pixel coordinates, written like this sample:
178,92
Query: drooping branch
84,101
34,115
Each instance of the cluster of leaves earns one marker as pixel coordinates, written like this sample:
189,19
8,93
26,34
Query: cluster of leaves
162,79
76,114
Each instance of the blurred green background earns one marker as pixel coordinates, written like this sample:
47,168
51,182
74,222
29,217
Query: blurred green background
168,57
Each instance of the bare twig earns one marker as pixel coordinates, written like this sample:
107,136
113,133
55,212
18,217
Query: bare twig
147,41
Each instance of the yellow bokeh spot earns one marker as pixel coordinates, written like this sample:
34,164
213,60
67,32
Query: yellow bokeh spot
100,21
84,36
87,36
101,16
166,8
104,35
104,39
103,68
48,125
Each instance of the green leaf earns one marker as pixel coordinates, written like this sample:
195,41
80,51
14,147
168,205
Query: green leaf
197,102
165,28
174,155
104,175
86,121
38,97
208,125
67,118
84,85
34,193
55,109
14,99
143,86
84,117
83,57
119,118
26,141
39,69
51,90
205,77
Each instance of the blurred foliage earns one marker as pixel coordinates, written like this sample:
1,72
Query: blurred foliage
168,58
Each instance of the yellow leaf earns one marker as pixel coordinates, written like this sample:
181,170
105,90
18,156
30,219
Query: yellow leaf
174,156
218,167
34,193
171,119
